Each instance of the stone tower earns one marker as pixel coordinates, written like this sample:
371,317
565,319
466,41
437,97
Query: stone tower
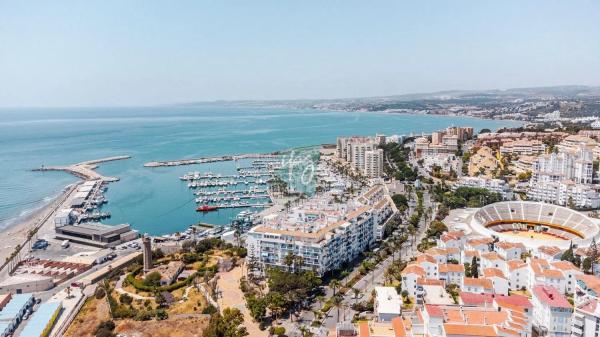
147,250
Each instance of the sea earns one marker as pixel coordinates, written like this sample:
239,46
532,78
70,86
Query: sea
154,200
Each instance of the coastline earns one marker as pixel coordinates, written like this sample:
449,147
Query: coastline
16,233
20,220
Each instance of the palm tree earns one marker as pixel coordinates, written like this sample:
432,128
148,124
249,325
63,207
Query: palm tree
356,292
338,303
335,284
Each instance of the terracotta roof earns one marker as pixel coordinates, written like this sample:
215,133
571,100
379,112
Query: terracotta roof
425,258
475,299
470,330
516,264
479,241
449,267
493,272
485,317
477,282
398,326
549,250
433,310
550,296
552,273
591,282
491,256
509,331
508,245
513,300
564,265
413,269
471,253
452,235
429,282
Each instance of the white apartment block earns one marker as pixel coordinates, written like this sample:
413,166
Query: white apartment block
492,185
373,163
586,319
551,311
362,153
576,165
563,192
323,233
522,147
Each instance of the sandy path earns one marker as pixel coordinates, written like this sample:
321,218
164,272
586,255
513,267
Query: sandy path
232,296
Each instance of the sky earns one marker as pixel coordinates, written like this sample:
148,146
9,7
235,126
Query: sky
128,53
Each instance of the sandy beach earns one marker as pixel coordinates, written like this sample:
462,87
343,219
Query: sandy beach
16,234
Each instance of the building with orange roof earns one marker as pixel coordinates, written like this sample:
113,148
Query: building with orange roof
410,275
492,260
499,280
481,245
452,239
471,330
466,256
397,327
429,264
451,273
549,253
510,250
570,272
586,286
517,272
477,285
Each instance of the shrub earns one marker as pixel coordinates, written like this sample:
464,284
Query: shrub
143,315
161,314
100,293
209,310
125,299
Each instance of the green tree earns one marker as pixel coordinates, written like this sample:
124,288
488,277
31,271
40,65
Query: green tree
227,325
152,279
474,267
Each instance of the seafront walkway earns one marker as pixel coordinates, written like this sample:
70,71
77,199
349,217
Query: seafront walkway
233,297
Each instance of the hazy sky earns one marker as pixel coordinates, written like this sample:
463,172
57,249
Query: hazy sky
74,53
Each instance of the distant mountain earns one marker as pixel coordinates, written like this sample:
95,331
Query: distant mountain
567,91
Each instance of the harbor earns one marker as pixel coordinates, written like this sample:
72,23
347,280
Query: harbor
204,160
248,189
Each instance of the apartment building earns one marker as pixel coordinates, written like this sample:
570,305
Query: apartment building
325,234
576,165
586,319
442,142
523,147
564,193
362,153
551,311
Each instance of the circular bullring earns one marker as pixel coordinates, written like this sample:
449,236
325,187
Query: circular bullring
535,224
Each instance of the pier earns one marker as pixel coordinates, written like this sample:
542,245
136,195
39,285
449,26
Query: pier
85,170
204,160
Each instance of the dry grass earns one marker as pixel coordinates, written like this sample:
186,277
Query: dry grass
186,307
91,314
173,327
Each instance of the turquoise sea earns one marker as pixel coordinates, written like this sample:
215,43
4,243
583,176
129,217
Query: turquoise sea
154,200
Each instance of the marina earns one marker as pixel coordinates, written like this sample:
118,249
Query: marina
204,160
222,191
